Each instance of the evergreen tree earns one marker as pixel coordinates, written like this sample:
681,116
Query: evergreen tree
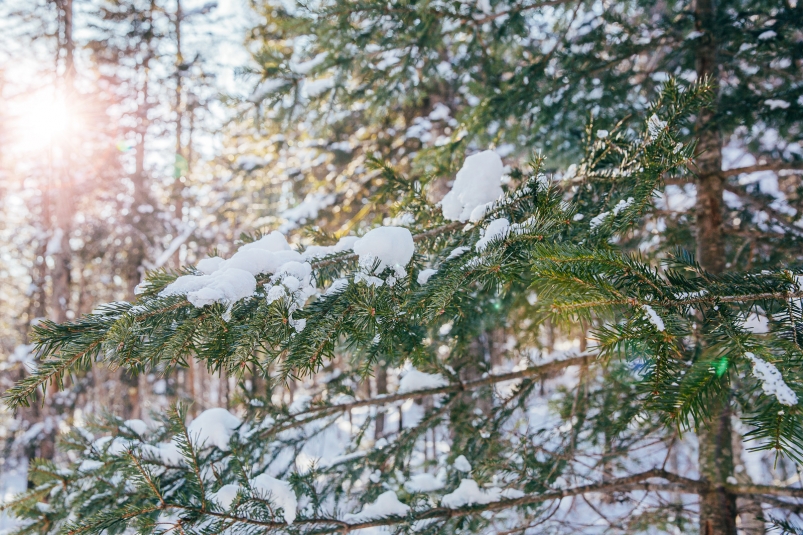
677,345
496,453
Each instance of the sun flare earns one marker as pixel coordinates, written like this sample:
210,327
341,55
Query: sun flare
42,121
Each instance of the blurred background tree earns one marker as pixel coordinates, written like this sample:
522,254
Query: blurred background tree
124,151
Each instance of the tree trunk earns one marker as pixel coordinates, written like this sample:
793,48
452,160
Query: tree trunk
381,388
717,506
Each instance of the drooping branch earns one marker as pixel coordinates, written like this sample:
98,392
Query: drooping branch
636,482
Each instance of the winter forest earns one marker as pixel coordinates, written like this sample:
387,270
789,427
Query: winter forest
401,267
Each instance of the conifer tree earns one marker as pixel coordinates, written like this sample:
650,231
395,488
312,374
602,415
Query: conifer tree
677,342
489,454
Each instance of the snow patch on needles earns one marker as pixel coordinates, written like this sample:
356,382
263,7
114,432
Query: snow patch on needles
224,497
620,206
213,427
278,492
772,381
655,126
415,380
653,317
344,244
469,493
425,274
228,281
497,229
165,452
423,483
457,251
386,504
462,464
207,266
392,246
223,286
478,183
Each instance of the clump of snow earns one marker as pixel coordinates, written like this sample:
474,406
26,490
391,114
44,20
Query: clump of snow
512,494
772,381
292,279
223,286
119,446
439,112
137,426
207,266
462,464
757,323
88,465
166,453
345,243
769,34
278,492
457,251
386,504
602,134
392,246
620,206
497,229
478,183
305,67
213,427
275,241
653,317
425,274
415,380
228,281
336,286
775,103
225,496
423,483
469,493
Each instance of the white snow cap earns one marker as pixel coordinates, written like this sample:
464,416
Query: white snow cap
772,381
275,241
462,464
497,229
222,286
386,504
207,266
423,483
469,493
213,427
346,243
393,246
278,492
478,183
653,317
137,426
224,497
425,274
415,380
228,281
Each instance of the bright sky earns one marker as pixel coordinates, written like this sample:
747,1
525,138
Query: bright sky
39,116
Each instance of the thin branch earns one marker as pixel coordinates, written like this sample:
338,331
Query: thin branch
636,482
314,413
777,166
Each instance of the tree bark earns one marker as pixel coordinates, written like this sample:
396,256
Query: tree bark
381,388
717,505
